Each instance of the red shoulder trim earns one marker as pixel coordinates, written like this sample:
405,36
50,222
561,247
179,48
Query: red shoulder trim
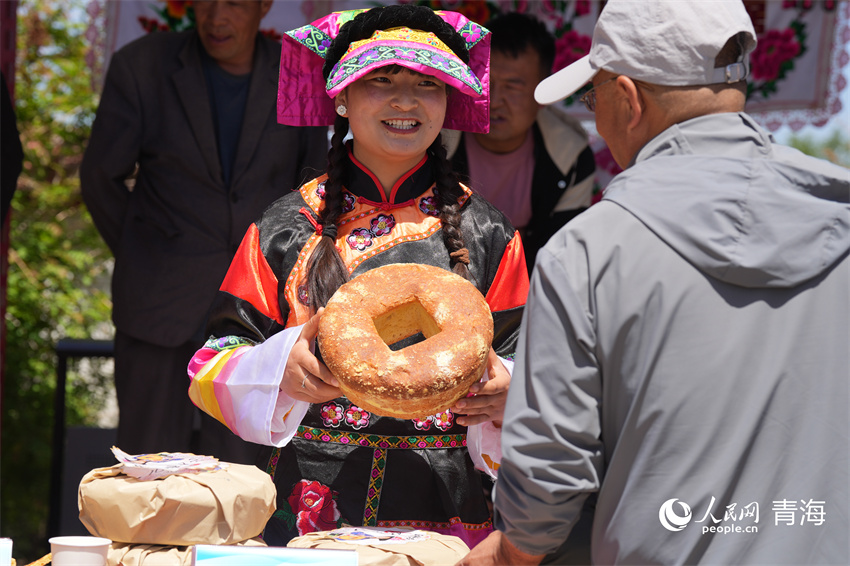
250,278
510,286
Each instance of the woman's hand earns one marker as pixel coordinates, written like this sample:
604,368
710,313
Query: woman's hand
487,400
305,378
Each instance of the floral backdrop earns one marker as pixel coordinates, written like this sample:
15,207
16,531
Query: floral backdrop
797,69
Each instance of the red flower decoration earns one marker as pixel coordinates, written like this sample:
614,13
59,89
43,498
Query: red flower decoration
359,239
148,24
774,48
177,8
569,48
444,420
582,7
314,507
382,225
356,418
476,10
177,15
332,414
429,205
423,424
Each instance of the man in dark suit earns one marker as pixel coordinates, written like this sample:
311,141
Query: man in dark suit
193,115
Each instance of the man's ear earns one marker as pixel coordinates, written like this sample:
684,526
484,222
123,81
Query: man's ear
265,6
634,99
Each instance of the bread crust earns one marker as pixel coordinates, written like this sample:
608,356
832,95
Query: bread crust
396,301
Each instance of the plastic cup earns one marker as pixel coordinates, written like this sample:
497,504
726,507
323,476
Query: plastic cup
79,551
5,552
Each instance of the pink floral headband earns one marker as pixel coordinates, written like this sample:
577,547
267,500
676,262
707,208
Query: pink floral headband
305,98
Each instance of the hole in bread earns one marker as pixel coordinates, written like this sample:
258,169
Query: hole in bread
406,342
405,321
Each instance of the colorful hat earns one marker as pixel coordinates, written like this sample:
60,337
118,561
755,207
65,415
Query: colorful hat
305,98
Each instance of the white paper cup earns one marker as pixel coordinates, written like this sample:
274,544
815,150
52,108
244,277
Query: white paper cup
5,552
79,551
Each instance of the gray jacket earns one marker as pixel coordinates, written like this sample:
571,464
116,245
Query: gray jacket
685,352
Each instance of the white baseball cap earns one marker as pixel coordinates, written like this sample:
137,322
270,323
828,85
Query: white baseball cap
664,42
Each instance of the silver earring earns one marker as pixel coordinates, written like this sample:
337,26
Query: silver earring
341,110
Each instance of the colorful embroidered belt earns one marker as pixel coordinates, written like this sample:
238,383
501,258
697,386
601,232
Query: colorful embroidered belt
380,444
431,441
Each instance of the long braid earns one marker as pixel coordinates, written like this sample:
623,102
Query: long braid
326,271
448,194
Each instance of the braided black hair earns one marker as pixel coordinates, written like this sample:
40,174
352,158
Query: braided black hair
448,194
326,270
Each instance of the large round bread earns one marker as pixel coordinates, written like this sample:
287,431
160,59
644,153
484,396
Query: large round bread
393,302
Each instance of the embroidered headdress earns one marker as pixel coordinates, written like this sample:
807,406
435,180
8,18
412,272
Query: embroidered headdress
305,96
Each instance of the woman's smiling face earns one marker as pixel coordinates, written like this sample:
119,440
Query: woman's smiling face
394,114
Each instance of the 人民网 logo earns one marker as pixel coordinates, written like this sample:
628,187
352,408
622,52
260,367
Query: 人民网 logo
671,520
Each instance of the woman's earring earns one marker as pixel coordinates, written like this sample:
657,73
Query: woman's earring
341,110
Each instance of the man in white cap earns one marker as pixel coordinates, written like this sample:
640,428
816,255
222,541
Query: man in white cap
684,352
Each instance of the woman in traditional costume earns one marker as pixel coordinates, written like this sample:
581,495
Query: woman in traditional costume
393,76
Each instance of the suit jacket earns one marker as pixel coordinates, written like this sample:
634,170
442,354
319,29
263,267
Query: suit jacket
174,232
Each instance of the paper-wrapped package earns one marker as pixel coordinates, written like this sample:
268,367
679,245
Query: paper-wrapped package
378,546
221,507
153,555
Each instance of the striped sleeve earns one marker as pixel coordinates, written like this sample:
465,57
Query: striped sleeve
239,384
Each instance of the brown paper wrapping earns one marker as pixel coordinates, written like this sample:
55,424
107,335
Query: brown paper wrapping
439,550
154,555
222,507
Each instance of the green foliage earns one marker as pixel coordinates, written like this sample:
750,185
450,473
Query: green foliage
57,263
835,148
